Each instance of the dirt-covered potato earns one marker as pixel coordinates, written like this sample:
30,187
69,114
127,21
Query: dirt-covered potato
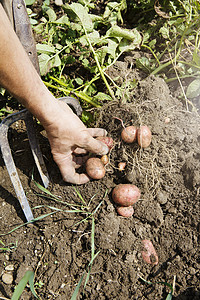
125,194
95,168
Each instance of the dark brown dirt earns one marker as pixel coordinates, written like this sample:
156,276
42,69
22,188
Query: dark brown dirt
167,173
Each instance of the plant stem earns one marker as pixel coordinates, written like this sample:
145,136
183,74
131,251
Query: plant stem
98,65
68,91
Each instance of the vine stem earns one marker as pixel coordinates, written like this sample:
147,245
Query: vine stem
98,65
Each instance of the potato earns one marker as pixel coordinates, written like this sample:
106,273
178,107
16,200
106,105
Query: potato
149,254
104,159
125,211
125,194
121,166
106,140
129,134
95,168
144,136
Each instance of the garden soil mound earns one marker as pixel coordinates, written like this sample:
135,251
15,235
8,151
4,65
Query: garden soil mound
58,247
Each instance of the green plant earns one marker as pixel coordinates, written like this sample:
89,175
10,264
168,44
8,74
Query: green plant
28,277
9,247
170,294
87,41
89,266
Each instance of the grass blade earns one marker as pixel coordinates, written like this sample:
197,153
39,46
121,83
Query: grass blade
75,294
29,276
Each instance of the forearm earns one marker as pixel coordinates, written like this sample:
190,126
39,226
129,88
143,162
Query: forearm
19,77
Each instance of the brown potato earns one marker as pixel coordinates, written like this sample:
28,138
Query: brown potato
149,254
125,211
125,194
105,159
95,168
129,134
106,140
144,136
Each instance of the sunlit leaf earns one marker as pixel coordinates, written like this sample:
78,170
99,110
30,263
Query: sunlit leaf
82,14
93,37
51,14
29,2
193,89
42,48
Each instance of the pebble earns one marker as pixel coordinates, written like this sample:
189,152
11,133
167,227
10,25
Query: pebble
172,210
162,197
7,278
9,268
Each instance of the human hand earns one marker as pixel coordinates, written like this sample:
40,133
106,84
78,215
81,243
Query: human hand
69,138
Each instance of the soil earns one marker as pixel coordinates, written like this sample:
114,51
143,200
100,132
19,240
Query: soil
58,247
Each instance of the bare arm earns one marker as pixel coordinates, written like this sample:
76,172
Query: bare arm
66,133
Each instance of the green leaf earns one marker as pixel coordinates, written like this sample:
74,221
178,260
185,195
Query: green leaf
169,296
51,14
93,37
29,2
116,31
63,20
102,97
193,89
112,47
82,14
79,81
196,58
44,63
43,48
29,276
165,32
33,21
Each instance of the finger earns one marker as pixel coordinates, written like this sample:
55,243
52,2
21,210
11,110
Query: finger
97,132
79,161
80,151
76,178
67,169
96,146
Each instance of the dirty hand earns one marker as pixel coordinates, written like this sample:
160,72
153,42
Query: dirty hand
68,138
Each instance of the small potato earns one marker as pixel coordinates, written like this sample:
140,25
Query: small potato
95,168
144,136
125,211
149,254
129,134
104,159
125,194
106,140
121,166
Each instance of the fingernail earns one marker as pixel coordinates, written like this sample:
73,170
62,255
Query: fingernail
105,150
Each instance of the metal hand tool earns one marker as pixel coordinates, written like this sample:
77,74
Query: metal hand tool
24,32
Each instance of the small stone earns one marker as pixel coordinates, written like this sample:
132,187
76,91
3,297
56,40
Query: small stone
7,278
58,2
9,268
162,197
192,271
7,257
167,120
172,210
